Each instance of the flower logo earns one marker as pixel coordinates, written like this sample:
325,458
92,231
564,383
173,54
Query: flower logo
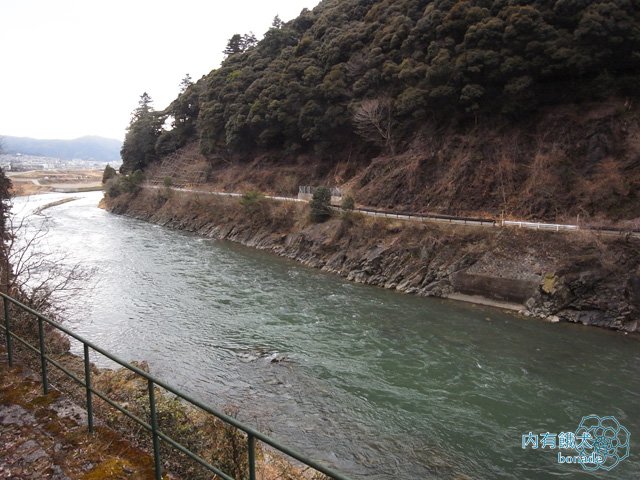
605,438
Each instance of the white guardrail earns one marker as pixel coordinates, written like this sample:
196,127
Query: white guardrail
539,226
554,227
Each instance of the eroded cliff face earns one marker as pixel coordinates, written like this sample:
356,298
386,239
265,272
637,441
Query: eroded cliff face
560,277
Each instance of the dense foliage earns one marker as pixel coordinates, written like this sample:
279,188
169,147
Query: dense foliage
299,88
130,183
320,205
139,147
108,174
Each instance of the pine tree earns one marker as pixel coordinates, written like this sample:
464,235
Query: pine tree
240,43
249,40
320,205
138,149
185,83
277,22
234,45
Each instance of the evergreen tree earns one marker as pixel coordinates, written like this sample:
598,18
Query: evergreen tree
320,205
108,174
240,43
185,83
277,23
184,111
138,149
249,40
234,45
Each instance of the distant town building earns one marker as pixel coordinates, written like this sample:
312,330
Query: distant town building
21,163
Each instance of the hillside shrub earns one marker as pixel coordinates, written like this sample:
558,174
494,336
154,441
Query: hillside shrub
108,174
112,187
348,203
252,200
124,184
132,183
320,205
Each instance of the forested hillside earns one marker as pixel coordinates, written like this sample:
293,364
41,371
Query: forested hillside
520,106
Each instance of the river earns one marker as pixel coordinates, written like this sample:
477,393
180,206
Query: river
377,384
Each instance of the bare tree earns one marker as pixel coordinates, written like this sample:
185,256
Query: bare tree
372,121
43,279
5,232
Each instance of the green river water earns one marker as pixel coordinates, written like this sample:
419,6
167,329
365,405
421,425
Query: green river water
376,384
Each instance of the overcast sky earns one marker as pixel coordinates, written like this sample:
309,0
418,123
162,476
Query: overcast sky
70,68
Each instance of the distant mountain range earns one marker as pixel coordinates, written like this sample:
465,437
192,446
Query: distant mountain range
84,148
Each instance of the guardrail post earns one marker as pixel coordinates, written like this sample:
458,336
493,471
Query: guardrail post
87,384
252,435
252,457
154,431
7,331
43,358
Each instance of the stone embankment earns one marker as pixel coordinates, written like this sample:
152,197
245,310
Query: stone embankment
39,210
582,278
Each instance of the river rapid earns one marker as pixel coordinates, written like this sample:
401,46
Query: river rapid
376,384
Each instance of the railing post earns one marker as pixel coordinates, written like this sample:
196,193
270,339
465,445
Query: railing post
154,431
252,457
87,383
7,331
43,358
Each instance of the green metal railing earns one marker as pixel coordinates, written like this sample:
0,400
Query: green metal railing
157,435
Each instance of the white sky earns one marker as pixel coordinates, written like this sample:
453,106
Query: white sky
70,68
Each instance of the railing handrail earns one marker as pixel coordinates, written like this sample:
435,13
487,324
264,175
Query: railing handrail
561,226
251,432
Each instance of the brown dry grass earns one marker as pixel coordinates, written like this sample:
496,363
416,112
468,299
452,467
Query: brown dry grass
565,161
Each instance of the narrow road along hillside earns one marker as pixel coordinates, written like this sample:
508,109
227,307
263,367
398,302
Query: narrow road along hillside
452,220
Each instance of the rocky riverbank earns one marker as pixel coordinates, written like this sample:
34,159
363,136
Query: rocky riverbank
573,277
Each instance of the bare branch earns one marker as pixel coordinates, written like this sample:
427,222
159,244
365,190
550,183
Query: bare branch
372,121
45,278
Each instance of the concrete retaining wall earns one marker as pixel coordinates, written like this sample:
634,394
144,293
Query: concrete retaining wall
507,289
